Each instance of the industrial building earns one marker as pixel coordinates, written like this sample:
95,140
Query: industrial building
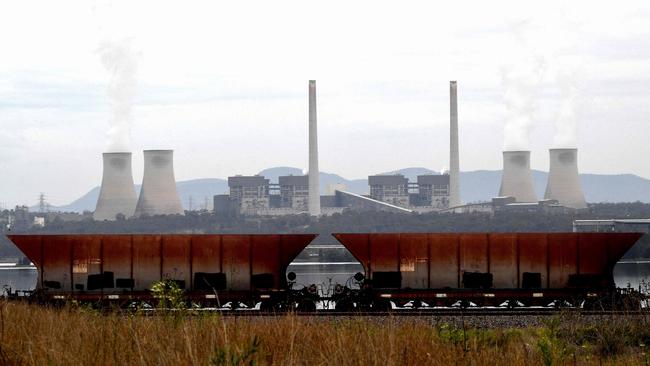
256,195
249,193
393,189
612,225
435,191
429,193
294,192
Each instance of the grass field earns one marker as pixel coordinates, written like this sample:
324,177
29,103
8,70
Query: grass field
34,335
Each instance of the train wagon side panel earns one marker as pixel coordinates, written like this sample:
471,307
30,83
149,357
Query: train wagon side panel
563,258
358,245
503,260
207,259
86,261
237,261
176,251
533,257
414,260
117,258
57,263
32,248
444,265
265,261
291,246
147,264
473,254
384,252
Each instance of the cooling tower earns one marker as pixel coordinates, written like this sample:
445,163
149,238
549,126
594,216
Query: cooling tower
517,180
563,182
454,165
314,186
117,194
158,195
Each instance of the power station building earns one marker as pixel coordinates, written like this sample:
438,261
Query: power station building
249,193
428,193
393,189
255,195
435,191
294,192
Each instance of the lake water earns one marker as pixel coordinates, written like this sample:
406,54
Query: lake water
326,275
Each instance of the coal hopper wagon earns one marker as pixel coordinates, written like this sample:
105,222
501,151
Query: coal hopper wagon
236,271
420,270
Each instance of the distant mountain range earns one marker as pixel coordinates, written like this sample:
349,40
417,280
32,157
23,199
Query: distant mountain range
479,185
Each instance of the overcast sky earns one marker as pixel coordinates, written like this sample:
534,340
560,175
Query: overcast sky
225,86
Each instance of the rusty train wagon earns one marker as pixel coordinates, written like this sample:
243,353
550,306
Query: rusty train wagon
119,270
483,269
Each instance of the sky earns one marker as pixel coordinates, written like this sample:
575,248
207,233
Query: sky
224,84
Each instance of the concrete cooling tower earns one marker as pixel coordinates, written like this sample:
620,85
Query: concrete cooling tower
517,180
158,195
117,194
563,182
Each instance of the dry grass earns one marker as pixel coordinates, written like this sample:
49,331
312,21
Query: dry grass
32,335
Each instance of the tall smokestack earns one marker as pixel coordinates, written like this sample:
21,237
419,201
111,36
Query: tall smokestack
314,187
117,194
158,195
563,181
517,180
454,158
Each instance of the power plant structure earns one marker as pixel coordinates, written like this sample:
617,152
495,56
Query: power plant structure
158,195
257,195
563,181
117,193
454,155
314,186
517,180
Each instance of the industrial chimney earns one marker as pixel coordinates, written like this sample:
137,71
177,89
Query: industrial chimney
158,195
454,165
563,182
517,180
314,187
117,194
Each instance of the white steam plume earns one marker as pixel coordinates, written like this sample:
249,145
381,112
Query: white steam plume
566,123
521,77
121,62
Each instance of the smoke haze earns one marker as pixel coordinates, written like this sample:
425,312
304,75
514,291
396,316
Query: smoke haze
121,63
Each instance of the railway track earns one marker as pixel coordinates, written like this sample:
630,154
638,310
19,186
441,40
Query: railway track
421,313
